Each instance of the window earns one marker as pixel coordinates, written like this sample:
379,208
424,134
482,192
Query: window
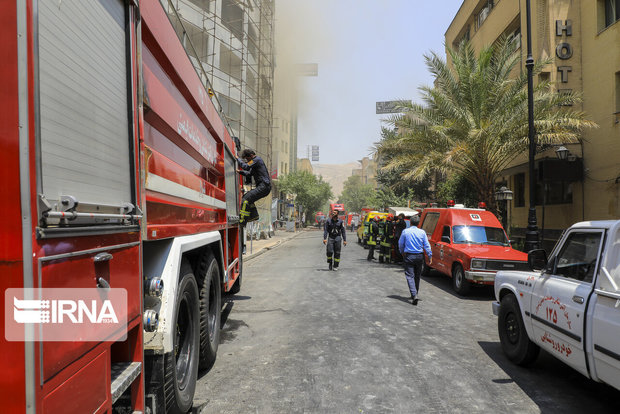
480,235
617,93
559,192
514,39
230,63
203,4
519,193
232,18
577,259
612,12
446,233
484,12
430,221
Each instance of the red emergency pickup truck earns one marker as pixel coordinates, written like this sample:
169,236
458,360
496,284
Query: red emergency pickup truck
470,245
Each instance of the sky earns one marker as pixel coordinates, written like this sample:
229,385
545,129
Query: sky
366,51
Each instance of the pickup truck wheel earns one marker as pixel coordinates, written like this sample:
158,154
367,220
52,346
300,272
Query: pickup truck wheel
512,334
181,365
461,285
210,307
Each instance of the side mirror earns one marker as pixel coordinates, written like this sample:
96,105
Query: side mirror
445,239
537,260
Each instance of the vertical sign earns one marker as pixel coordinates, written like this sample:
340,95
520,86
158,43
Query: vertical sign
564,51
315,153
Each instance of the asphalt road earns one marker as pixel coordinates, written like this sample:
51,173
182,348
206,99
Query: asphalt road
302,339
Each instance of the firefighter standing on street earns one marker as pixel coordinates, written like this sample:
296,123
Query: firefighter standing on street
253,166
385,253
373,236
381,239
399,226
334,233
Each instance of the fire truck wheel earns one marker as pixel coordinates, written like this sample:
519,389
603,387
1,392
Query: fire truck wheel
512,334
459,283
181,365
209,283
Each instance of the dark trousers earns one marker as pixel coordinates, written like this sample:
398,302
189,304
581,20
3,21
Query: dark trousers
413,269
248,211
257,193
334,245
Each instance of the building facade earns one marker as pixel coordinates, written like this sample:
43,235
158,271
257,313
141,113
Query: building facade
583,38
230,43
367,172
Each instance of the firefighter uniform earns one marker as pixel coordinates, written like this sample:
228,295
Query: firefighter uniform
373,237
399,226
387,241
381,239
335,233
255,168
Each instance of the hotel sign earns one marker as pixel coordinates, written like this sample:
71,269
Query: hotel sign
564,50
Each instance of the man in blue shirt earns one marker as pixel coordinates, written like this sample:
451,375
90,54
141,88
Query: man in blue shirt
412,244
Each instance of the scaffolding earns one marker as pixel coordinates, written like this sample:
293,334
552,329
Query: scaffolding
231,44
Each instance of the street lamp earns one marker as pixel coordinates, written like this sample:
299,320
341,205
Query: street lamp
504,194
531,235
562,152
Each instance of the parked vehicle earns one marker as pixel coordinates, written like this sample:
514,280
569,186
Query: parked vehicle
408,212
469,245
319,219
353,220
342,213
121,175
568,304
362,231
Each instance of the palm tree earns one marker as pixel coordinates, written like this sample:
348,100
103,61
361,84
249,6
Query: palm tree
474,119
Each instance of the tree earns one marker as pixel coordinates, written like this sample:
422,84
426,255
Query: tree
412,189
473,122
310,191
356,195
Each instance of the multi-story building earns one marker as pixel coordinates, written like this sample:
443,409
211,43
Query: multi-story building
230,43
583,38
367,172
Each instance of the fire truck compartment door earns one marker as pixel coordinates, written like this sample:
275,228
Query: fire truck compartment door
83,101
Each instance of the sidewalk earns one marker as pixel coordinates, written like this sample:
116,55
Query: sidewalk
254,248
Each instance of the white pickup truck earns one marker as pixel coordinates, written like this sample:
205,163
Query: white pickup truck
568,305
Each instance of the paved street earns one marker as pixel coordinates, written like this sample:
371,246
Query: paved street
300,338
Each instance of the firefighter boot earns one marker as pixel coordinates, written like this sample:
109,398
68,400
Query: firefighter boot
253,213
244,213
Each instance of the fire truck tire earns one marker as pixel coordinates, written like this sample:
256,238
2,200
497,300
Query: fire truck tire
181,365
516,345
461,285
209,282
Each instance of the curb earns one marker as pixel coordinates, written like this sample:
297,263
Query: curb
265,249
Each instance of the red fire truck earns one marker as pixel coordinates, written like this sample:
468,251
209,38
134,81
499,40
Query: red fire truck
342,214
116,171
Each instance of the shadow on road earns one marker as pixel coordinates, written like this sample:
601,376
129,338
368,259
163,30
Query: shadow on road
548,381
406,299
443,282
